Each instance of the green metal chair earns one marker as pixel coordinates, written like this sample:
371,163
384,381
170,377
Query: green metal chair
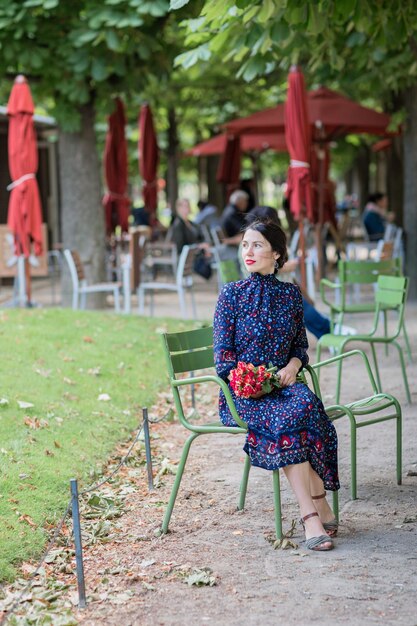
188,352
391,294
350,275
381,407
229,271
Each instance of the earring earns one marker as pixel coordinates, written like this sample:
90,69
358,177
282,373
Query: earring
276,265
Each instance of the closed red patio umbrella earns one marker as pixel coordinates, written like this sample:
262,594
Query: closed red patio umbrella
25,213
298,138
116,202
148,161
24,217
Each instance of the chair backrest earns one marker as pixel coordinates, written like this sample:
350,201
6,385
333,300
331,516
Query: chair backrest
76,267
293,247
392,292
384,250
189,351
367,272
185,264
229,271
217,235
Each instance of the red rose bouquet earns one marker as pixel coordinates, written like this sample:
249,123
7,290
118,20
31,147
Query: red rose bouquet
248,380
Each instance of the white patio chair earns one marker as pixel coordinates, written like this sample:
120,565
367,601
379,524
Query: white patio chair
183,281
80,286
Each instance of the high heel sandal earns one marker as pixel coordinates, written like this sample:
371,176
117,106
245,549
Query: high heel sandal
318,543
330,527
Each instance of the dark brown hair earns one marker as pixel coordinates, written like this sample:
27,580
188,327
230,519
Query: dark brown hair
274,234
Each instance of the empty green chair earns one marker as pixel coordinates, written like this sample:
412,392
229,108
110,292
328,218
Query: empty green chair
390,295
352,274
229,271
376,407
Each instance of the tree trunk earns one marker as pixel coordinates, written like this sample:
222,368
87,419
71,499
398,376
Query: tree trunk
362,172
395,179
82,212
172,160
215,190
410,189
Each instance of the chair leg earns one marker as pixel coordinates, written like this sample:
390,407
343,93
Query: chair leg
407,343
377,376
177,481
385,314
353,457
116,300
244,484
335,498
193,305
181,298
404,371
339,380
399,447
277,504
141,300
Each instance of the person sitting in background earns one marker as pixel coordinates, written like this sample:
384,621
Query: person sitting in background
184,232
375,216
233,218
208,215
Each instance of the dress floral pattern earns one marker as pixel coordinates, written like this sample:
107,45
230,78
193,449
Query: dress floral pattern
260,320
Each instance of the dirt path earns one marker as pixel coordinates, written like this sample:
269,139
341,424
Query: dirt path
138,578
370,578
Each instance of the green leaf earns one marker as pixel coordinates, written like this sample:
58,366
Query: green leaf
177,4
252,68
297,15
50,4
99,70
190,58
112,40
280,32
267,11
317,23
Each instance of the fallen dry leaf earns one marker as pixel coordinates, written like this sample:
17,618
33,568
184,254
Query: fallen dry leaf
88,340
28,520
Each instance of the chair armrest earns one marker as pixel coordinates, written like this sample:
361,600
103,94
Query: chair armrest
194,380
346,355
325,283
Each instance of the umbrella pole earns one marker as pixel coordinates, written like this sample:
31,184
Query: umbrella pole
319,226
303,255
21,279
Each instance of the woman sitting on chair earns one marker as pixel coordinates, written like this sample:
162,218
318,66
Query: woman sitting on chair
259,320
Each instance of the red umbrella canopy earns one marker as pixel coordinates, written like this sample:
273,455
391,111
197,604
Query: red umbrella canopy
298,136
329,110
24,213
148,160
229,167
116,202
249,143
319,169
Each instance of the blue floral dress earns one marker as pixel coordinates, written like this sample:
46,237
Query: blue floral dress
260,320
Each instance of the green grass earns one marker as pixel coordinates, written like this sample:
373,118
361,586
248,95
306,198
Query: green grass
61,361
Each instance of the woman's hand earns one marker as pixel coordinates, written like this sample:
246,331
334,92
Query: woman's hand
258,395
288,374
